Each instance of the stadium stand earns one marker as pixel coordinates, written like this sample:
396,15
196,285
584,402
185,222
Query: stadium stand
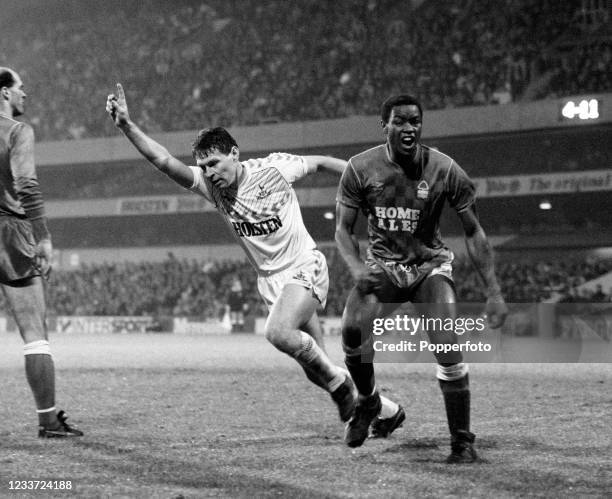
228,63
181,287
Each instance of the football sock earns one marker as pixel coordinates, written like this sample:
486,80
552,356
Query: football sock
388,409
40,373
363,376
363,396
456,395
313,359
314,377
361,368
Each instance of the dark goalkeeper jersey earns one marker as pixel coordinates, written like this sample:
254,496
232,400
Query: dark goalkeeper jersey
404,207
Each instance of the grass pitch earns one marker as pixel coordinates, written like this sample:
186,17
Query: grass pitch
173,416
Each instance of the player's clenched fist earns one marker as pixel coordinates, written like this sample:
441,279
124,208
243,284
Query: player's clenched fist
496,310
116,106
42,257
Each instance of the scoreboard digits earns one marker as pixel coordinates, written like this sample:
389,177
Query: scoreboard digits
583,110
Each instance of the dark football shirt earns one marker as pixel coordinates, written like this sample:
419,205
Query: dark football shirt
17,170
403,207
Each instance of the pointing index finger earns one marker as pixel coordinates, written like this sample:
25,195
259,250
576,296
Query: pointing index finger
120,92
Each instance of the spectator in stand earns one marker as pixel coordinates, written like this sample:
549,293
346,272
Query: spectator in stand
466,55
236,304
194,288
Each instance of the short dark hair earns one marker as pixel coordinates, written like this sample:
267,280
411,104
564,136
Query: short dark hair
7,77
213,138
398,100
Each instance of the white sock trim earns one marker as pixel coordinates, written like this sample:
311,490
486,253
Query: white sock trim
361,396
41,411
452,373
336,382
37,347
388,408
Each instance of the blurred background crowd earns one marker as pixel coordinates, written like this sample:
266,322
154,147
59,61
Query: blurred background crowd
180,287
239,62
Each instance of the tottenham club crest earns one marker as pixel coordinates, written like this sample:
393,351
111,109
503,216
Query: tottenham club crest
263,192
422,190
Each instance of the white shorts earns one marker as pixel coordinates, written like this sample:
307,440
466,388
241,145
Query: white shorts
310,271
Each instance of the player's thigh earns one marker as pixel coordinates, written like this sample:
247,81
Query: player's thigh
293,308
436,299
435,289
26,300
17,251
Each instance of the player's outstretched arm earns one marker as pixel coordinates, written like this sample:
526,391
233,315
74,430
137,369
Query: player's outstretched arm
329,163
481,254
158,155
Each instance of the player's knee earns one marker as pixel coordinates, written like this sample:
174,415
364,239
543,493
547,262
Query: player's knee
30,323
362,353
279,336
273,334
32,332
352,336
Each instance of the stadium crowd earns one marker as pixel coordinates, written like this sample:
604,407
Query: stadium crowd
249,62
180,287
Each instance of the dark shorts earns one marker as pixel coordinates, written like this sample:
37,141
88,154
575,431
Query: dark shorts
17,250
398,282
235,300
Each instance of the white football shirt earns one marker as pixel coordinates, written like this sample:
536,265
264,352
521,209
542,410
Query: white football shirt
263,211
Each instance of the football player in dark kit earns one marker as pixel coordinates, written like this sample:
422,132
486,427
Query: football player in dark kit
25,253
401,186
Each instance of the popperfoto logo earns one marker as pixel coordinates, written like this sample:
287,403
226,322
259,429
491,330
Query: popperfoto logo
532,333
444,335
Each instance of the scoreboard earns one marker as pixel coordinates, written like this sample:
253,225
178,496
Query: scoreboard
581,109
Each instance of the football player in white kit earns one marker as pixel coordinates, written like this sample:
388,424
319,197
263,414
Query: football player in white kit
257,201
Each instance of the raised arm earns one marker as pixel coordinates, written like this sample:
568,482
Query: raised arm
329,163
481,254
154,152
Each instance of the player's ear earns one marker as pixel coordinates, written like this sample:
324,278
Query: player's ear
235,152
384,127
5,93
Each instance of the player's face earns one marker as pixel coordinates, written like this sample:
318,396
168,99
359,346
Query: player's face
403,129
17,97
221,169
